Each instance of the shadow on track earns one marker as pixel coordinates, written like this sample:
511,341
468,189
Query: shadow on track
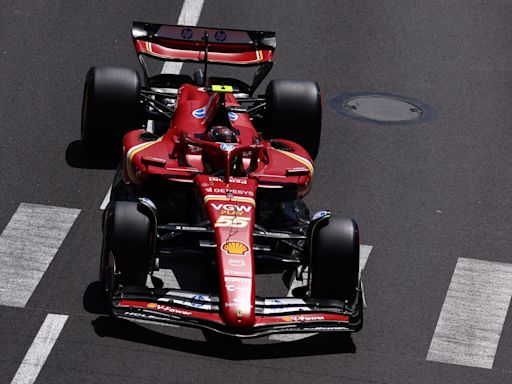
94,300
77,156
223,346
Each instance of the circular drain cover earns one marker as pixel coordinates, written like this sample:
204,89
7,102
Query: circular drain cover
380,108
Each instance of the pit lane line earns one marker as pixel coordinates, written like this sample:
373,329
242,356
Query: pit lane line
473,314
40,349
189,15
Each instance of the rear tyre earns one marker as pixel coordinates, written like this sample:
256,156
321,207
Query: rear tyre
130,241
335,260
294,112
111,107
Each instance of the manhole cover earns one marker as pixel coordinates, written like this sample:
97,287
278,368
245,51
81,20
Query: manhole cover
382,108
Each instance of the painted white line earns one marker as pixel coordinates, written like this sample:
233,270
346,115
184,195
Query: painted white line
190,13
168,278
106,199
27,246
40,349
364,253
473,313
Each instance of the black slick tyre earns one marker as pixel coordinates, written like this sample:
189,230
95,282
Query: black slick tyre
110,108
130,239
294,112
335,260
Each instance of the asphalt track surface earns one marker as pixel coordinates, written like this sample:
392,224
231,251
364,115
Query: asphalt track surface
424,195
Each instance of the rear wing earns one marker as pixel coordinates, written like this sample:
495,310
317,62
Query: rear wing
184,43
206,45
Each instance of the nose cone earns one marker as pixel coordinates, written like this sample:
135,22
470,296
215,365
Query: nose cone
237,302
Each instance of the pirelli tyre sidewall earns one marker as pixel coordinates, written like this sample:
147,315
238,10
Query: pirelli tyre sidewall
130,238
335,260
111,107
294,112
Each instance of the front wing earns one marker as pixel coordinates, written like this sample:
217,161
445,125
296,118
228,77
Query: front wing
273,315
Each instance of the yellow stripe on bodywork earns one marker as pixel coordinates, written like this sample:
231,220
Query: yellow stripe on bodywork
225,198
300,159
130,168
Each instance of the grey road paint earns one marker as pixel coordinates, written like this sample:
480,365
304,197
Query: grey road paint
473,313
40,349
27,246
168,278
106,199
364,254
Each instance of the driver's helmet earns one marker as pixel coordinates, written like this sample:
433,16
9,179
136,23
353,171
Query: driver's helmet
222,134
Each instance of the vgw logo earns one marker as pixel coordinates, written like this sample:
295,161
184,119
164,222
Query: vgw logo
232,207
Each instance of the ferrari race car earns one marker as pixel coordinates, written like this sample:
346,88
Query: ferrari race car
212,175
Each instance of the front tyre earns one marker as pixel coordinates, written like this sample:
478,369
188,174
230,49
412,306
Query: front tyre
335,260
129,242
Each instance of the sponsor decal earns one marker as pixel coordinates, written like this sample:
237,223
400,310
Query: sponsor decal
232,207
228,271
232,222
136,314
198,301
302,318
187,228
234,191
237,180
187,33
233,287
232,116
199,113
236,262
235,247
166,308
220,35
230,279
227,147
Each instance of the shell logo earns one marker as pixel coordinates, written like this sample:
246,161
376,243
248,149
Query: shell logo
235,248
151,305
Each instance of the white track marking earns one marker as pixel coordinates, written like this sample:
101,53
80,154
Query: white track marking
27,246
189,15
364,253
106,199
473,313
40,349
167,276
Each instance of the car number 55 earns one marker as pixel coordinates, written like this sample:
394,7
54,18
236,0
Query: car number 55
232,221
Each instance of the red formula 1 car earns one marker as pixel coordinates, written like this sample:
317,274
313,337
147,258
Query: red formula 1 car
214,177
